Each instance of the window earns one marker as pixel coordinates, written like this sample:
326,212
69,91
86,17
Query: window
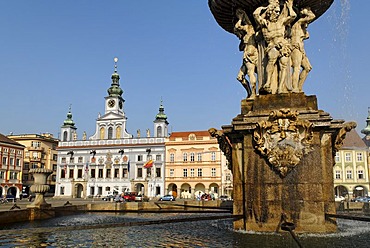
199,155
5,161
139,172
70,173
100,173
116,173
2,174
71,160
185,172
159,131
172,157
192,172
102,132
35,155
185,157
93,173
359,157
348,157
42,165
11,161
192,157
18,162
139,158
62,174
55,167
25,177
338,174
110,133
62,190
80,160
228,177
34,165
109,173
64,160
79,173
200,172
26,166
13,175
360,174
35,144
349,174
172,172
157,172
213,172
148,172
107,188
213,156
125,173
158,157
55,157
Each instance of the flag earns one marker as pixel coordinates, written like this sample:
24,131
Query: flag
87,168
148,164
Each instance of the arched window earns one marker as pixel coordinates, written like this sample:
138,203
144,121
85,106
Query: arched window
118,132
110,132
65,134
102,131
159,131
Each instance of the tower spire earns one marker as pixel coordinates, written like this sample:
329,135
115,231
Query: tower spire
69,121
115,89
366,130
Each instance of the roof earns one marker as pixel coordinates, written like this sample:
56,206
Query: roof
353,140
6,140
187,133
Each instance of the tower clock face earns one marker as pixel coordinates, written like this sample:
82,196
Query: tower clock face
111,103
120,104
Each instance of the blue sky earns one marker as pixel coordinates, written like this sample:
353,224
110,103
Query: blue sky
57,53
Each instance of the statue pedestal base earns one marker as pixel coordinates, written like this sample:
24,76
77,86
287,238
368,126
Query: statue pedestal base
283,164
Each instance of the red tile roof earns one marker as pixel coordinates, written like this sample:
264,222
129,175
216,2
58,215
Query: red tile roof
6,140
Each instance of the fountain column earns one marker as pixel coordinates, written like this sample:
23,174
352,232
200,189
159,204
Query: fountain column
281,147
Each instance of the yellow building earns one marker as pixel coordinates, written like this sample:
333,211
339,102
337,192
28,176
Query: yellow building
40,152
351,169
195,166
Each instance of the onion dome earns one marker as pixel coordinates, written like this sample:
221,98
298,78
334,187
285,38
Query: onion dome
69,122
115,90
366,130
161,115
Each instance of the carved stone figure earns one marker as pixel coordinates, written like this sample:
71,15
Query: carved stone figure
273,23
283,140
138,133
348,126
147,133
246,33
84,136
224,144
299,59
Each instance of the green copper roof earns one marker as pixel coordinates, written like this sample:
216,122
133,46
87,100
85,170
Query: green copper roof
69,121
161,115
115,90
366,130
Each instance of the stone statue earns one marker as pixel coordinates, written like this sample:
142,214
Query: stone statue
224,144
84,136
273,23
148,133
138,133
246,33
299,59
74,135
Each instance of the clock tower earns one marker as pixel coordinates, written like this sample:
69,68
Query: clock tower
112,125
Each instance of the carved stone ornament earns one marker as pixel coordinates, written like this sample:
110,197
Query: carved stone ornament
283,140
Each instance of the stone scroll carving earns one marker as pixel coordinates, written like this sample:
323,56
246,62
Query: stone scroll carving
341,135
273,48
224,144
283,140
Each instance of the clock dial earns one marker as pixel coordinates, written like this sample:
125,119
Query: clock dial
111,103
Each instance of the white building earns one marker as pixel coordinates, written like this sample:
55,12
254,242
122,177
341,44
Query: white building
111,160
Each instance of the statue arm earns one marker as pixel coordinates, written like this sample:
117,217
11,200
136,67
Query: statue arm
258,16
289,13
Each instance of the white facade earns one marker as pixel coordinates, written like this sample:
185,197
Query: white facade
111,160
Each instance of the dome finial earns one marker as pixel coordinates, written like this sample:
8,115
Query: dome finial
115,64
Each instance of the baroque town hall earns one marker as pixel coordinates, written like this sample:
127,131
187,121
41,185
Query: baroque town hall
111,160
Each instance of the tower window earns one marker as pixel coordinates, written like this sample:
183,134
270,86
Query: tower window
110,133
159,131
65,134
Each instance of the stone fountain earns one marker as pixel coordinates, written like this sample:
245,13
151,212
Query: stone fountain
40,187
280,147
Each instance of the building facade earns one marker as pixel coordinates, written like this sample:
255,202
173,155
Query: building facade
40,152
195,166
111,160
351,169
11,163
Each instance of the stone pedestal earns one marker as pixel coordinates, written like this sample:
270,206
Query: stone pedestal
40,187
283,151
